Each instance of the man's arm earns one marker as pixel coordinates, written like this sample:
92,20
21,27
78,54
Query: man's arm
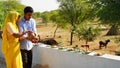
36,39
21,30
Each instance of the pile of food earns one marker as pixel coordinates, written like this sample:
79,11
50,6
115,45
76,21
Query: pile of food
73,49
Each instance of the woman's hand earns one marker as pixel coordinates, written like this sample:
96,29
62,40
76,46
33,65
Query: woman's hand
18,35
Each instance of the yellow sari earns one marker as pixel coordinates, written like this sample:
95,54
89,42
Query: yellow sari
10,44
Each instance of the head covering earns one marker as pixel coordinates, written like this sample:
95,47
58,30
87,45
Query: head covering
12,18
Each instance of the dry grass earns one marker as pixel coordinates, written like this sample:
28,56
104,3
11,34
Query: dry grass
46,31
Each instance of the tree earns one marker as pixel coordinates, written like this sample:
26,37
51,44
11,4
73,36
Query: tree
1,18
36,15
45,16
108,13
9,5
57,20
88,33
74,12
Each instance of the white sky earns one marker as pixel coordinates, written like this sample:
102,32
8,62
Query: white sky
41,5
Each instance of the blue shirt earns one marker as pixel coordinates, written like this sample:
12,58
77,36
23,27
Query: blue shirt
24,26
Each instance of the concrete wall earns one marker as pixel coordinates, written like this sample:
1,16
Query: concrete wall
2,61
53,58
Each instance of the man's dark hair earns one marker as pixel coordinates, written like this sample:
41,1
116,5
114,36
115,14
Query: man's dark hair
28,9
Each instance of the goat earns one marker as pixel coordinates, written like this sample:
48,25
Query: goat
103,44
76,46
49,41
86,46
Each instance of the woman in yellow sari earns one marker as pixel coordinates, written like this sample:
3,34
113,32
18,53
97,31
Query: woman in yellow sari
10,41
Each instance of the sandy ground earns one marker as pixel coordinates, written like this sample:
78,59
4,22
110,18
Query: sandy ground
46,31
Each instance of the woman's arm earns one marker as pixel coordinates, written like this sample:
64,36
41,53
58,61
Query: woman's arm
18,35
11,31
24,38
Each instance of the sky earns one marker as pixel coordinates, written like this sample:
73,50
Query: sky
41,5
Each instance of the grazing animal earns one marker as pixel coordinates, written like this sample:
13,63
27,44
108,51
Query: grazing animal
103,43
49,41
76,46
86,46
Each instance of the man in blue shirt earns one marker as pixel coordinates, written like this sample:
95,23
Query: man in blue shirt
27,23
